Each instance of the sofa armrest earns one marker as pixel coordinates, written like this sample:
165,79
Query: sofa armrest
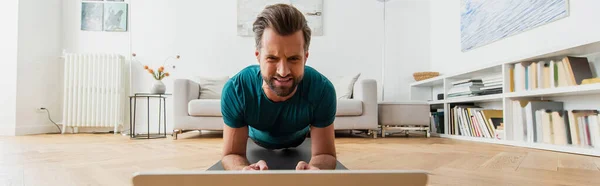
366,91
184,91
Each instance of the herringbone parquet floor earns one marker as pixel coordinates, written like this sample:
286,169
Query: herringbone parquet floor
107,159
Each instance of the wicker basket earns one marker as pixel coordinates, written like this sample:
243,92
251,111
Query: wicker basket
425,75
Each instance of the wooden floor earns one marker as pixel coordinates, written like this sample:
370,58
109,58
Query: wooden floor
106,159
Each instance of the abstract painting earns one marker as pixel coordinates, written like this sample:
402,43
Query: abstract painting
91,16
115,17
487,21
247,10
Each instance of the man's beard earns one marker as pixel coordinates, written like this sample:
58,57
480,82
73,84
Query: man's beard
282,91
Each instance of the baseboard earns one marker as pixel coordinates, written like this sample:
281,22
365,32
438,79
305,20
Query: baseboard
7,131
35,129
45,129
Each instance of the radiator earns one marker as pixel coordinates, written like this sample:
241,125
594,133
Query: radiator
93,90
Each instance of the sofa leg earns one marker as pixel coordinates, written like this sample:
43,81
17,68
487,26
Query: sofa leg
374,133
382,131
175,132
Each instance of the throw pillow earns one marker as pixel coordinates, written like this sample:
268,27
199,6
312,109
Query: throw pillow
211,87
344,86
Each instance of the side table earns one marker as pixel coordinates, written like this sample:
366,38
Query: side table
161,108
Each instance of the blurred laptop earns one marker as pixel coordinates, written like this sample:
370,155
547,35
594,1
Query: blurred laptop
282,177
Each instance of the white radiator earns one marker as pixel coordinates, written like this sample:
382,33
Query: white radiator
93,90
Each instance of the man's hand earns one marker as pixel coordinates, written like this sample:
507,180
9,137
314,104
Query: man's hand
260,165
305,166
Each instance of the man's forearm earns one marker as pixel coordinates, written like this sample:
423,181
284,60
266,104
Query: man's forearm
234,162
323,161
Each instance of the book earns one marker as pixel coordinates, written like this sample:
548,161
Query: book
534,132
540,74
466,81
553,75
561,77
578,69
548,136
547,75
512,79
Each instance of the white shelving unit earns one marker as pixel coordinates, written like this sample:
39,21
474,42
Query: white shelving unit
573,97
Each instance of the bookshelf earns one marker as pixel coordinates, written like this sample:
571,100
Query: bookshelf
573,97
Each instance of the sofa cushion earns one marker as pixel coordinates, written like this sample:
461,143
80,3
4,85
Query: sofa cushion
344,86
211,87
349,107
204,107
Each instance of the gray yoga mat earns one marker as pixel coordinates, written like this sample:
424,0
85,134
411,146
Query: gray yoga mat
282,159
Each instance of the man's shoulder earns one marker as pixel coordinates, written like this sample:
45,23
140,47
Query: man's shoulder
317,84
316,78
242,82
245,76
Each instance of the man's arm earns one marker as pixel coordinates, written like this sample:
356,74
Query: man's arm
234,148
323,147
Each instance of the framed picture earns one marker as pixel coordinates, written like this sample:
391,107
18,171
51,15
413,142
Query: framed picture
91,16
485,22
115,17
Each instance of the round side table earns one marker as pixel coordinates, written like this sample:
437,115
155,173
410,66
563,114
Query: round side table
162,109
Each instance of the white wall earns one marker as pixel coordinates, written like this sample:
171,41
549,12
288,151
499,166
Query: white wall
407,45
39,69
9,12
446,56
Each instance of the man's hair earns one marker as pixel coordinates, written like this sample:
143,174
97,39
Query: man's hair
284,19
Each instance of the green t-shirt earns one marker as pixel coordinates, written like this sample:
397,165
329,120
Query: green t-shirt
275,124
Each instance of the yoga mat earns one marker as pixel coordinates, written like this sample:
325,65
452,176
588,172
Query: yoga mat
281,159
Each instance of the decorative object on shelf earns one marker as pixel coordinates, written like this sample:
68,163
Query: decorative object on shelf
484,22
419,76
440,96
158,87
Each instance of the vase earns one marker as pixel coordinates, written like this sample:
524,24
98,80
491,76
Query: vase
158,87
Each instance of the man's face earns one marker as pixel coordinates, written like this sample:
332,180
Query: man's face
282,60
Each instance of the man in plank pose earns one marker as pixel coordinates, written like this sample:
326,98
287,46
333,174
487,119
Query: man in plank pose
280,101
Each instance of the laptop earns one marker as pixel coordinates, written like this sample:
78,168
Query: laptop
282,177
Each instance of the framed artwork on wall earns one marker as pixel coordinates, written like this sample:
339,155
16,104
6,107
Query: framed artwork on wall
247,10
486,21
91,16
104,15
115,17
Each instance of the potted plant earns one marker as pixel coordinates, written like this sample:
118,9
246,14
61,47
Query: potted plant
158,87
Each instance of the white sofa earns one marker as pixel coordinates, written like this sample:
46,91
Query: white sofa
191,113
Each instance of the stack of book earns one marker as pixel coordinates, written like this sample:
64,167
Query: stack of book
465,88
469,120
548,122
549,74
491,85
437,121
